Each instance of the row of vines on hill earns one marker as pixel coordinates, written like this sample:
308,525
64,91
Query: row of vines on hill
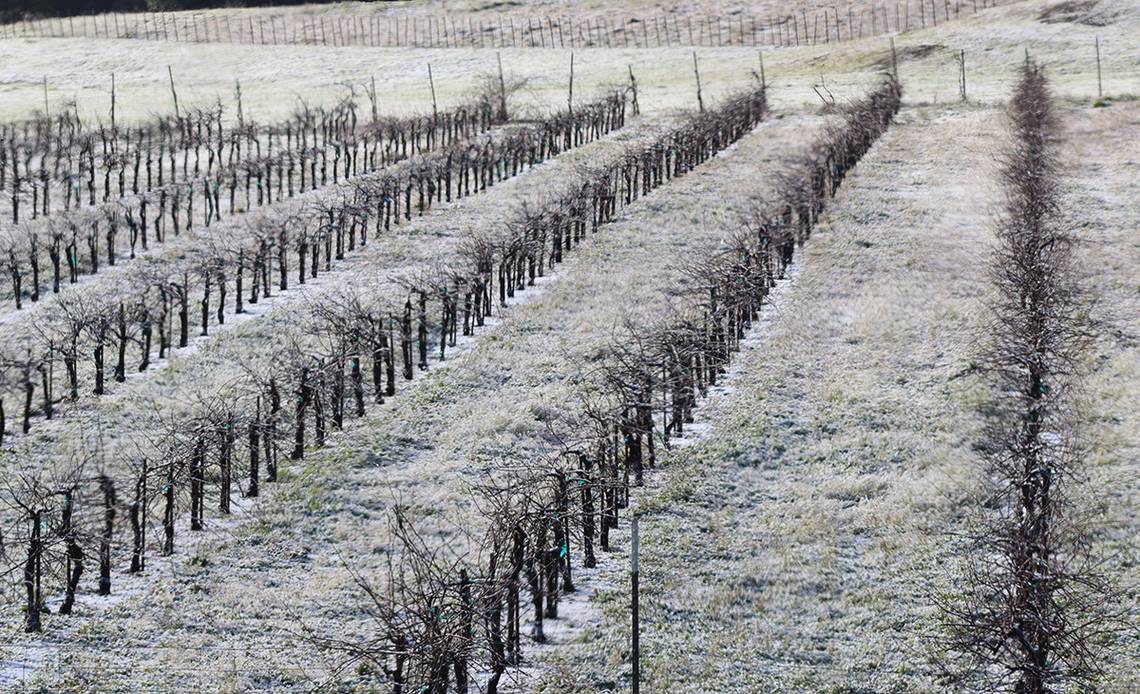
100,160
152,310
443,617
124,189
233,440
292,394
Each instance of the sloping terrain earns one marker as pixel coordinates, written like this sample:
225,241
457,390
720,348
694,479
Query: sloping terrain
798,536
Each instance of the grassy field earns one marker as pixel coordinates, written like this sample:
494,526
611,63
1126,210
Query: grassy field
79,70
796,538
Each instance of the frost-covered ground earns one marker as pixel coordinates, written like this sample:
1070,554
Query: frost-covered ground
274,79
797,546
211,361
284,568
793,541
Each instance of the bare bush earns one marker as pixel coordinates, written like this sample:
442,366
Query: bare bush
1031,603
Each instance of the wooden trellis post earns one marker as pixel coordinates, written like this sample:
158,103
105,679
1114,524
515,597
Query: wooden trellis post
962,73
697,72
1099,85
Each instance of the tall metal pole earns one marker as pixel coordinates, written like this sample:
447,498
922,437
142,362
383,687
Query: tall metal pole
434,106
962,71
173,93
636,650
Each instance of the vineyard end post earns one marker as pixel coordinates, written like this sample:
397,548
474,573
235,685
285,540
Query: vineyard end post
1099,84
635,655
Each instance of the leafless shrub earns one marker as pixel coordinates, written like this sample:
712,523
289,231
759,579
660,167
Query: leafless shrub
1032,606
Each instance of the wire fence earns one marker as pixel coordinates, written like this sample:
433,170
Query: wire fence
450,31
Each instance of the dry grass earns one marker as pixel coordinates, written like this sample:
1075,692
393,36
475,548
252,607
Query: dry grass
995,41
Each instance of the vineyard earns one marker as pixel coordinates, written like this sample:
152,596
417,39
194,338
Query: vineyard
499,347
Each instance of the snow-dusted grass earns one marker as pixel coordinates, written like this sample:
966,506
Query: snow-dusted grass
275,78
283,568
210,362
793,543
775,541
799,544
